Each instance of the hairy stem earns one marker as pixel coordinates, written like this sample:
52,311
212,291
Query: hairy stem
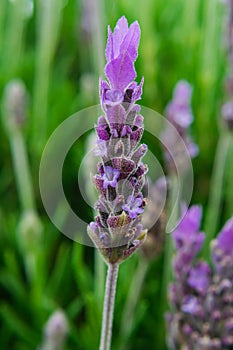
99,276
109,300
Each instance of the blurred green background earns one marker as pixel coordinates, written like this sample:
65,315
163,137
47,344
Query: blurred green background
56,47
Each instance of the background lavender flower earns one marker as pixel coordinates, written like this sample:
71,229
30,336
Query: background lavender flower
201,297
117,230
227,110
179,113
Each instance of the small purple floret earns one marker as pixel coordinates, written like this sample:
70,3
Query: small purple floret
199,277
110,177
190,305
133,206
113,97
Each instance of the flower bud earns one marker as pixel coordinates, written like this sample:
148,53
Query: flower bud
29,231
55,331
15,103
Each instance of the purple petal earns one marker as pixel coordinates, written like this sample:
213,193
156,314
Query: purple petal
119,33
138,120
225,238
133,206
120,72
109,46
138,91
183,92
103,86
190,305
110,177
113,97
115,39
94,227
199,277
191,222
131,41
126,131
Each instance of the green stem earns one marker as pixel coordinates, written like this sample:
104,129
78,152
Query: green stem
109,301
209,66
12,45
3,5
216,190
128,316
21,169
98,35
173,209
48,22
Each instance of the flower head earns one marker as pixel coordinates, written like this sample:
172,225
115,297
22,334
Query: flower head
180,115
225,238
188,240
178,110
201,297
117,231
222,250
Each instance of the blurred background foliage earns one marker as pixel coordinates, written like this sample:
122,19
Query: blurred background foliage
56,47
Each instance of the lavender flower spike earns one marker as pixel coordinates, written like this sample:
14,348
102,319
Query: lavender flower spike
201,297
117,231
180,115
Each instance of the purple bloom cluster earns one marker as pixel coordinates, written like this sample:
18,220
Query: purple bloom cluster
179,114
201,297
117,229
